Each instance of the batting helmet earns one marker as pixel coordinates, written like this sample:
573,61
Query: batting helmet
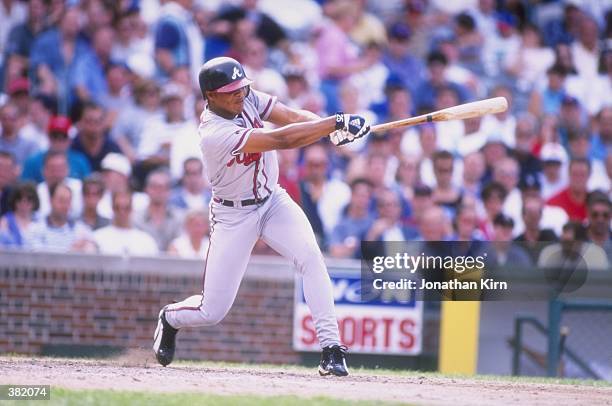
223,75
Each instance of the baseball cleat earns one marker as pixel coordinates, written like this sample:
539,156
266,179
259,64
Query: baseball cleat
164,340
333,361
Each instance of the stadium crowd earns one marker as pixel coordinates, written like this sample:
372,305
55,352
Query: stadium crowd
100,106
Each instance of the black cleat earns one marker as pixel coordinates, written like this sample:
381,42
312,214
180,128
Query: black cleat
333,361
164,340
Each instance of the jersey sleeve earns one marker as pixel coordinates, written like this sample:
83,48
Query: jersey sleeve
263,103
220,142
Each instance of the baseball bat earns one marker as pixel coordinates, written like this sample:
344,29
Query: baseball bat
460,112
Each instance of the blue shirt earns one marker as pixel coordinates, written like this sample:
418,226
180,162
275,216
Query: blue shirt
349,227
77,162
89,73
96,161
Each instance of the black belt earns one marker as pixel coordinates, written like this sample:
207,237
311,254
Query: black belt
247,202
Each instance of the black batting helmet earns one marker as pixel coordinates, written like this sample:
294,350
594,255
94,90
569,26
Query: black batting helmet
223,75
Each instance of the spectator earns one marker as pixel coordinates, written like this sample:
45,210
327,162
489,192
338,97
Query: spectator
92,139
157,219
128,130
356,220
41,110
18,90
17,222
194,240
473,171
526,134
93,190
121,237
466,225
116,171
322,199
10,140
493,196
601,142
403,66
554,175
54,57
288,175
445,194
474,138
548,100
427,92
494,151
585,50
598,223
300,93
453,130
177,39
8,173
59,141
171,131
368,27
571,119
435,224
579,148
552,217
506,173
12,14
55,171
573,198
388,226
56,231
193,193
507,254
407,176
265,79
501,124
89,79
534,233
420,202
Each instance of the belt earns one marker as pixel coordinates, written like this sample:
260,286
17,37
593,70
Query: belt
240,203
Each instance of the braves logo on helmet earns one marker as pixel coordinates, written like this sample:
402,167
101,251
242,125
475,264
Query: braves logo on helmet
236,74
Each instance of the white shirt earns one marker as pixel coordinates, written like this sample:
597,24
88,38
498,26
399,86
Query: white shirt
113,240
76,205
184,249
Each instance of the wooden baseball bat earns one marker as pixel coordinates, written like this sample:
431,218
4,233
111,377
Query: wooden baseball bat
460,112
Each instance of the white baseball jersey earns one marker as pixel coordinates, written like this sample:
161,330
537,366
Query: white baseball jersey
234,175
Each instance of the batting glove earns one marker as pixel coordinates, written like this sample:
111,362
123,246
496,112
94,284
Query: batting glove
349,127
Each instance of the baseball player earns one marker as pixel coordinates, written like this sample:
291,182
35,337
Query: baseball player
248,204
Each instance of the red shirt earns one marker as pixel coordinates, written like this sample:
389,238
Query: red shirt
575,210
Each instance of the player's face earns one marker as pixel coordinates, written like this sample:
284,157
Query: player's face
228,104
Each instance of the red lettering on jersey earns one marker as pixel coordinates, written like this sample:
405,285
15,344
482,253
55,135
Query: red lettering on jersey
244,159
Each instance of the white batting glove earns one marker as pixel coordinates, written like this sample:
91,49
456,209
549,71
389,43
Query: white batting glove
349,127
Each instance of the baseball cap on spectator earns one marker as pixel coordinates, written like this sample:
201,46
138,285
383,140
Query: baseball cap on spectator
530,182
502,220
553,152
18,85
59,125
399,31
118,163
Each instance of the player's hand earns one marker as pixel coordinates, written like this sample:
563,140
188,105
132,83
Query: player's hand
349,127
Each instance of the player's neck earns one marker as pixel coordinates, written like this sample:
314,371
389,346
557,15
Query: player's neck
221,112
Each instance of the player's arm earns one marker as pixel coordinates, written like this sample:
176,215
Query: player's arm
282,115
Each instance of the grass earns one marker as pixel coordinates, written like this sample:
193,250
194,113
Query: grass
67,397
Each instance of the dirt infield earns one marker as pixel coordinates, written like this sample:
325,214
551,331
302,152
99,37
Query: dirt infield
138,372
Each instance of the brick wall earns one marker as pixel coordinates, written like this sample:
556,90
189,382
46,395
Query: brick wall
73,302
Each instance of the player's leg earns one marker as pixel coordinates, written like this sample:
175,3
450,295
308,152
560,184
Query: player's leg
231,243
287,230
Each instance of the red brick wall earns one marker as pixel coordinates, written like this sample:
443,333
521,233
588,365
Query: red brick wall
102,301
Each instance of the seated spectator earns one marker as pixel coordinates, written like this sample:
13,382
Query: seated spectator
402,64
473,171
420,202
116,171
466,225
128,130
89,78
554,175
526,136
506,173
507,254
55,171
356,220
57,232
194,240
322,199
407,176
93,190
8,173
493,196
598,223
121,237
10,140
59,141
548,100
16,223
435,224
553,217
494,150
264,79
192,194
573,198
445,194
601,142
501,124
388,225
41,109
92,139
579,147
158,219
